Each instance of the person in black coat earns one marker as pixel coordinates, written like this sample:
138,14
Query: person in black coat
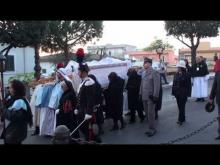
66,107
17,114
215,94
115,96
133,87
159,102
98,104
181,89
200,83
190,72
86,102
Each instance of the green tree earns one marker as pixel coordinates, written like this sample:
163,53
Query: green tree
158,43
22,34
63,35
193,31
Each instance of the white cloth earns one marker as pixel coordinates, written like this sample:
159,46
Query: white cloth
34,109
87,82
75,81
39,95
200,87
55,96
47,120
17,105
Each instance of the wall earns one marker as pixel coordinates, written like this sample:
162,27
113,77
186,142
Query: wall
20,65
48,66
168,57
29,59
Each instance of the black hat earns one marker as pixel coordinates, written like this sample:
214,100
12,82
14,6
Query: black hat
209,107
83,67
147,60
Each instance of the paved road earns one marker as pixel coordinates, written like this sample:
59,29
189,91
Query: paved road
167,128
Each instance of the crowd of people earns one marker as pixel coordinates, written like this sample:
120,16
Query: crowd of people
70,109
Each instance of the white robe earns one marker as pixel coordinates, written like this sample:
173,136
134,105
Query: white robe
47,114
55,97
200,87
76,81
47,120
35,110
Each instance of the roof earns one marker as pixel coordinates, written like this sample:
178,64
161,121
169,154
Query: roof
213,49
141,53
107,46
55,58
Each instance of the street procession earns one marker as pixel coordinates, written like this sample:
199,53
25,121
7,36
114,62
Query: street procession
95,83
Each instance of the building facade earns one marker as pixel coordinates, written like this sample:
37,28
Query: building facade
19,61
118,51
168,56
204,49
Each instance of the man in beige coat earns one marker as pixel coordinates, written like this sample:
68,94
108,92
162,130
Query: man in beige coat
149,91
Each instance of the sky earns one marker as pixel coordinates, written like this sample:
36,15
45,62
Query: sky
140,34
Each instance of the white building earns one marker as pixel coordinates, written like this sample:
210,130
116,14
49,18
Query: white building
118,51
19,60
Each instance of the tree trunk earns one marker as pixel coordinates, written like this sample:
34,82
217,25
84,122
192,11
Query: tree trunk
67,55
193,55
37,67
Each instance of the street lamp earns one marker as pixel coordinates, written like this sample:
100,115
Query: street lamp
2,69
160,50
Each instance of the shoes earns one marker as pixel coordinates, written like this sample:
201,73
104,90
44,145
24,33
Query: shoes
128,114
151,133
114,128
97,139
180,122
36,132
123,126
198,100
101,132
132,121
202,100
218,137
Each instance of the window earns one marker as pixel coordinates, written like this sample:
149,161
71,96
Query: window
44,70
9,63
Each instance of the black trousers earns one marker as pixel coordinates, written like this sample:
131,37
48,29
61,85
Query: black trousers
139,109
85,130
117,115
162,75
115,121
181,102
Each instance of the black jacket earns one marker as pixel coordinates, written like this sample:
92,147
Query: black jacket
181,85
16,131
86,97
189,69
133,88
67,106
115,96
98,94
200,69
67,101
215,92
